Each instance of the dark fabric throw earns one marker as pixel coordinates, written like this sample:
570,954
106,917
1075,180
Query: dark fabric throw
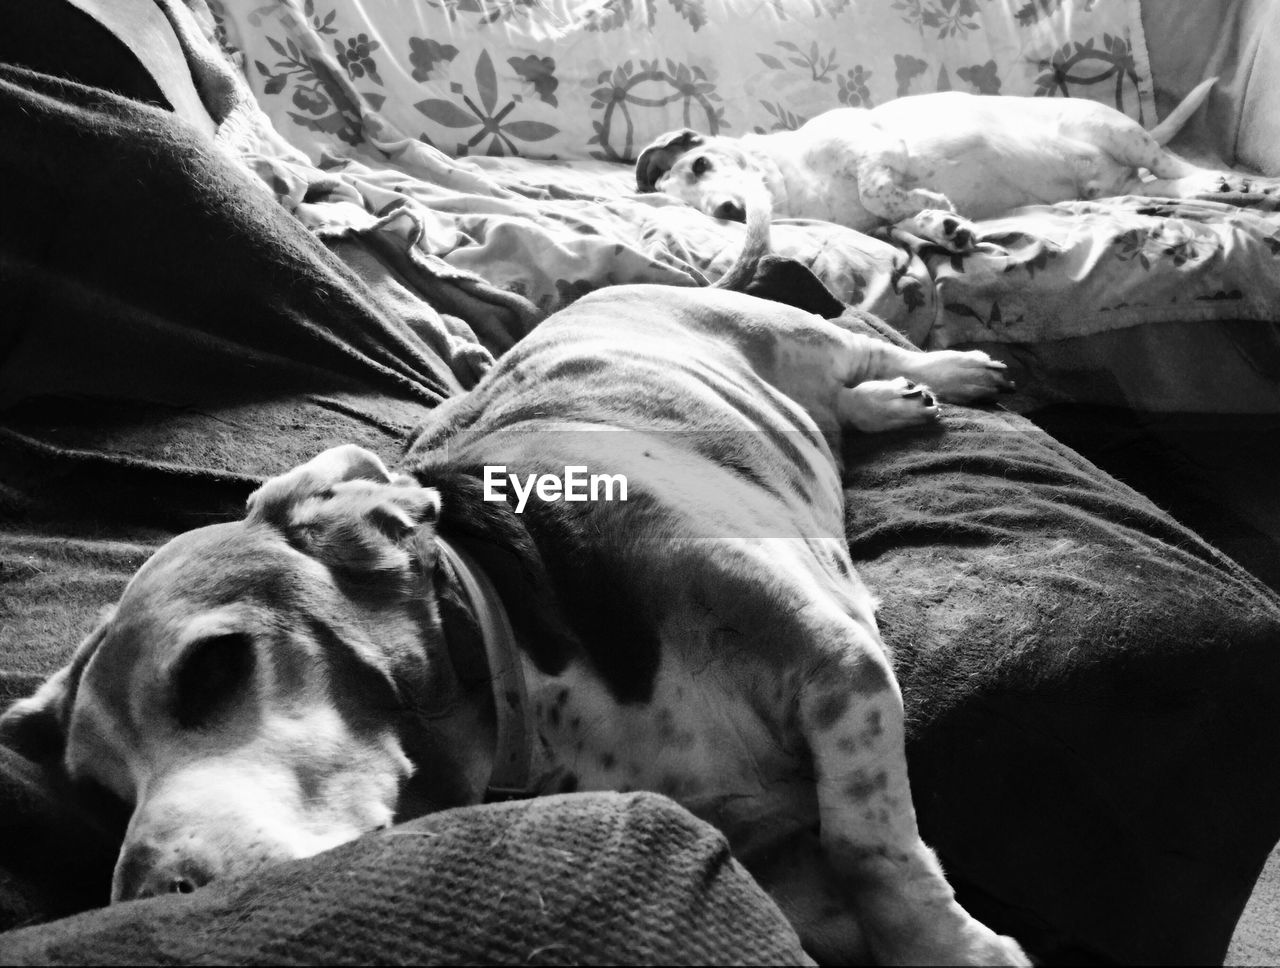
1089,686
181,323
567,880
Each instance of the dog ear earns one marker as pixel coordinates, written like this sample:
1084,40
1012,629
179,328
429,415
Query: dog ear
346,510
37,726
271,502
791,282
657,159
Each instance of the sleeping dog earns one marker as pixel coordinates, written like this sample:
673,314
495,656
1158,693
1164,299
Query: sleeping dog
938,159
366,646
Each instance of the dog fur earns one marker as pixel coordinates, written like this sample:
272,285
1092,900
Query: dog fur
271,687
937,159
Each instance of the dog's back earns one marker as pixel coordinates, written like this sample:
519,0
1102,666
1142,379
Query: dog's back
663,398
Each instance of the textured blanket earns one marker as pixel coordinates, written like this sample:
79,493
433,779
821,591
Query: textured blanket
1086,681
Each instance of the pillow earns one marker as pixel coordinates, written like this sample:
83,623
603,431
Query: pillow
569,880
603,78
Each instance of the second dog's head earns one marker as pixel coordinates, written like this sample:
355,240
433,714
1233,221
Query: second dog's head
255,692
714,175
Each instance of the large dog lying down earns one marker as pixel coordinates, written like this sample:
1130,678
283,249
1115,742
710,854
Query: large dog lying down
365,646
926,155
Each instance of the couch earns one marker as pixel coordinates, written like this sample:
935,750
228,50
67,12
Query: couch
217,267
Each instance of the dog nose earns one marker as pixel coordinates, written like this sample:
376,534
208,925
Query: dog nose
729,210
142,873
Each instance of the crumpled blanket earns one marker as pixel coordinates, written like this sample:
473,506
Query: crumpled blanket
1076,269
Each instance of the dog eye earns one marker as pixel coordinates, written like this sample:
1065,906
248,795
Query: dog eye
701,165
212,675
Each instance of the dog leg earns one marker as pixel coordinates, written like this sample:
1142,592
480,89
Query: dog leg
903,386
851,715
1130,148
882,184
943,228
883,188
879,405
1197,182
847,379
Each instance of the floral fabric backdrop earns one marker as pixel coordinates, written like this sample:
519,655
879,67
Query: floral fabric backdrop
602,78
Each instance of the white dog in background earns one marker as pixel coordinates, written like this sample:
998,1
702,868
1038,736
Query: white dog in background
940,159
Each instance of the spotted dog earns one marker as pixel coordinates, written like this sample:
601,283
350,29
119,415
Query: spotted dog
936,160
366,646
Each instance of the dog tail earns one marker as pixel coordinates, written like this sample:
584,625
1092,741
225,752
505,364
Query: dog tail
759,215
1164,131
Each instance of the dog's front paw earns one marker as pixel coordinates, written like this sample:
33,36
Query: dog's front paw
876,405
945,228
973,944
962,376
984,947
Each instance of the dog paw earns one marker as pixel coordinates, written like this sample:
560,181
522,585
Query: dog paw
962,376
944,228
879,405
985,947
975,944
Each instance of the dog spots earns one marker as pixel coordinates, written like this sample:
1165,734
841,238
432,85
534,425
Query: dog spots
866,738
869,678
669,732
555,711
578,368
880,817
568,783
608,761
862,787
875,724
829,709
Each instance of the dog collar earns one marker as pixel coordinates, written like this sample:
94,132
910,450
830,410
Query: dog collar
513,754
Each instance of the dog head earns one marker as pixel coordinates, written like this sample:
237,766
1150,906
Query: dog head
252,693
714,175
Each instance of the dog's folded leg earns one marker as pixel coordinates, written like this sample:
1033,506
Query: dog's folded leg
884,187
942,227
852,718
878,405
958,376
952,376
